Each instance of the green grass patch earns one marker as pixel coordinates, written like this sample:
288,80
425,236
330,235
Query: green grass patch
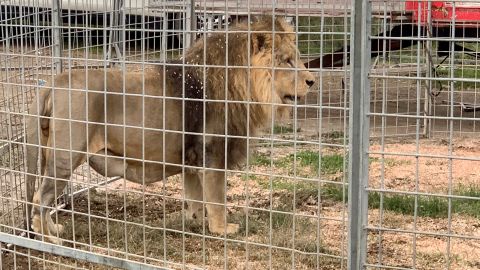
279,129
278,184
405,204
467,206
471,73
329,164
97,49
304,189
333,135
308,158
326,37
332,163
427,206
284,162
260,159
327,34
335,192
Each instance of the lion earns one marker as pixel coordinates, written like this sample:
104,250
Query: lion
190,116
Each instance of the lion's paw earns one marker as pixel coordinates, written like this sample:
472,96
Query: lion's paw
231,228
58,228
36,224
53,240
37,227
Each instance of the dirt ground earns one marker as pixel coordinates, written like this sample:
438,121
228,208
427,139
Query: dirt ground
303,230
450,167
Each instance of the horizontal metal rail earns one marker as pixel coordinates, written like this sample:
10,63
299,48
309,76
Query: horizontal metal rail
92,257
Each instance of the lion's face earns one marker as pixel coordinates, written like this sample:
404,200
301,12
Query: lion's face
290,78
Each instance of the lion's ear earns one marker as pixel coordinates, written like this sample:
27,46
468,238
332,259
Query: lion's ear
280,24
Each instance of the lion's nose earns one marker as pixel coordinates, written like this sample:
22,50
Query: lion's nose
310,83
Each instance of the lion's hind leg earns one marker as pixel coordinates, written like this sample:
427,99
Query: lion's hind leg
108,163
42,221
53,182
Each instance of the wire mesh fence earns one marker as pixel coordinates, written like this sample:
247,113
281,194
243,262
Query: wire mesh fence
422,188
146,107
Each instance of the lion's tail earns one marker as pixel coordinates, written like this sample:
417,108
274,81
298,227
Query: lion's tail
35,124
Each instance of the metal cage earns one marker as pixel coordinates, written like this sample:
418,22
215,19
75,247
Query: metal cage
375,168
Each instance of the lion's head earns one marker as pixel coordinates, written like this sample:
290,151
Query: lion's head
277,51
260,65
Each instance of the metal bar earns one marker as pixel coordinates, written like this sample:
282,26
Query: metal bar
103,183
427,105
190,24
74,253
121,24
359,134
111,36
57,36
163,57
424,233
49,67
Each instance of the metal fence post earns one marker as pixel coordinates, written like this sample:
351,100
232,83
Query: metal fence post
117,32
57,35
190,24
429,63
359,133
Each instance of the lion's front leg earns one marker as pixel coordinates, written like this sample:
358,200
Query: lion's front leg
194,196
214,191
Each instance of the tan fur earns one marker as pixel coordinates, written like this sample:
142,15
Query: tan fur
155,116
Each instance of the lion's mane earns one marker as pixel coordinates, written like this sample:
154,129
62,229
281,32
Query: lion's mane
232,74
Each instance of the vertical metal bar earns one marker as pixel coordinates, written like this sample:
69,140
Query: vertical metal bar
190,24
163,56
121,22
383,131
428,89
117,32
418,113
451,123
111,33
359,133
56,33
